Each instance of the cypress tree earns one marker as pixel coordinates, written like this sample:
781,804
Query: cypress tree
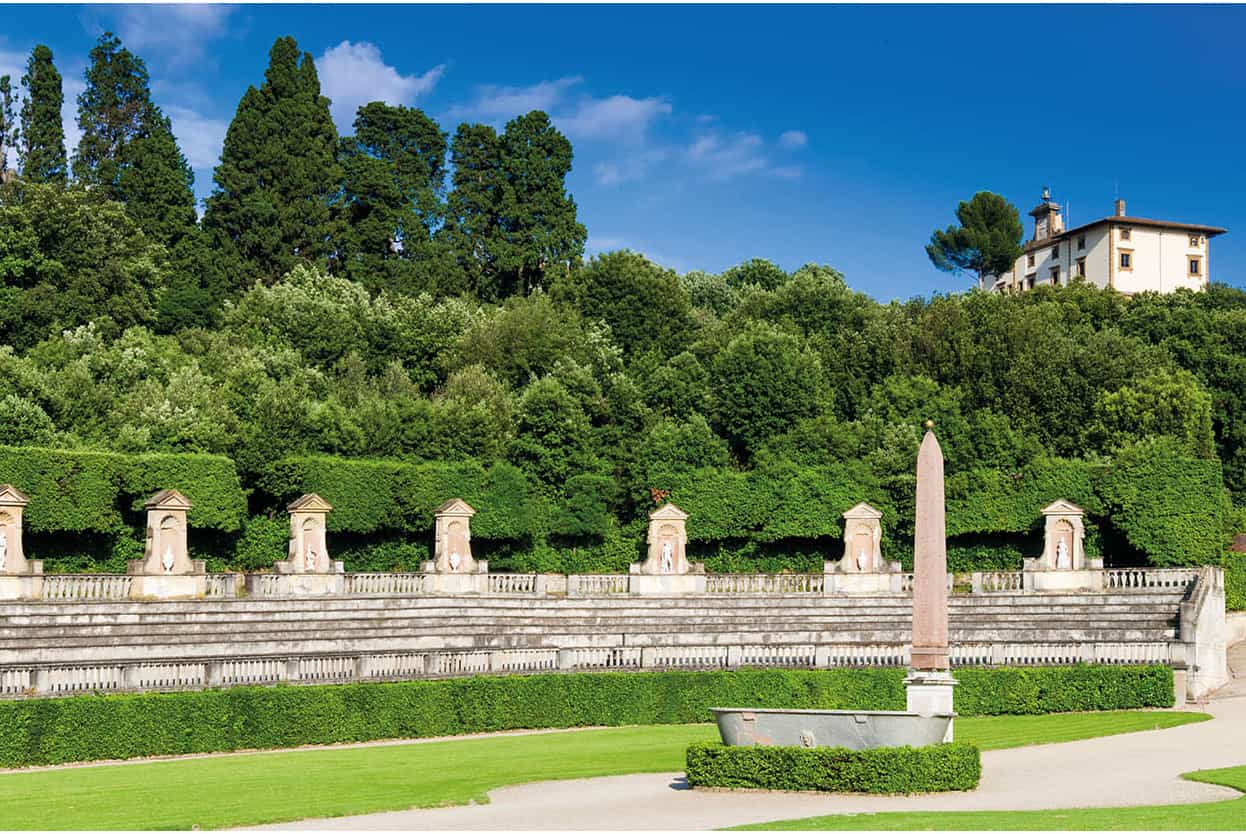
273,204
127,151
42,148
8,124
474,207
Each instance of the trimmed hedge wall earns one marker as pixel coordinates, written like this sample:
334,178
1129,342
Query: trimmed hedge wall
887,770
58,730
88,492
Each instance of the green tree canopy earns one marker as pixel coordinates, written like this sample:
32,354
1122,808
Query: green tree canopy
278,177
8,124
987,241
42,148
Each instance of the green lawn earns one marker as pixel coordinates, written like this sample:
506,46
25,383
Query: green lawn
1208,816
232,790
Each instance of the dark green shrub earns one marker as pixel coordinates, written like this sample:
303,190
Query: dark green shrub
887,770
56,730
1235,581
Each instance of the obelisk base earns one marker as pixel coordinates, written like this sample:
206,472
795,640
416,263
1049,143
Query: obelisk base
930,693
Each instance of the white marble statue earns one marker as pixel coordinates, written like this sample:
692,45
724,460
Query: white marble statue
167,559
309,559
863,559
455,561
1062,555
668,558
4,550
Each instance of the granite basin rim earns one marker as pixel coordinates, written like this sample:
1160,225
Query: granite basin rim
717,710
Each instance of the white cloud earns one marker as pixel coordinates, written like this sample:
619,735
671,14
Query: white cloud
179,32
629,167
353,74
498,103
615,117
72,86
740,153
199,137
793,139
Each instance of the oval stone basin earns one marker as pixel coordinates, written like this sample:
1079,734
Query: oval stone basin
854,729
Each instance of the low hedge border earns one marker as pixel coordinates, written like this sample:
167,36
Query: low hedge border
59,730
885,770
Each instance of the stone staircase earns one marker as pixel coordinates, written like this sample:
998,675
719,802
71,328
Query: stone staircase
95,632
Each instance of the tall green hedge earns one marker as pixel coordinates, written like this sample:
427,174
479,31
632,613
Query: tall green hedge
996,501
52,731
89,492
884,770
371,496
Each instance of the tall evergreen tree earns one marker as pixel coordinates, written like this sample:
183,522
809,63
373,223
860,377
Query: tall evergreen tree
540,231
41,151
510,217
8,124
127,151
276,186
395,170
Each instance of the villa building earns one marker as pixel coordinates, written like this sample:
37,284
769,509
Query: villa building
1128,254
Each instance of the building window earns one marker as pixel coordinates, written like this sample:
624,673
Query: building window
1081,268
1124,234
1127,260
1195,241
1196,267
1081,242
1029,259
1055,251
1029,283
1055,276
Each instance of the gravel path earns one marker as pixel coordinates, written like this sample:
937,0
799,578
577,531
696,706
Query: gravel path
1132,769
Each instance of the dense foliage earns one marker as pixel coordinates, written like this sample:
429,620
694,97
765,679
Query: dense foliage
885,770
57,730
403,315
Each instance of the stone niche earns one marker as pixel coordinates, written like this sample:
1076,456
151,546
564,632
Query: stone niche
861,569
166,570
1063,565
19,578
307,569
453,569
666,569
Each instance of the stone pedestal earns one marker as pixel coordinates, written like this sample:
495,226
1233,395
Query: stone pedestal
1035,578
862,583
930,693
666,569
19,578
437,582
166,570
298,584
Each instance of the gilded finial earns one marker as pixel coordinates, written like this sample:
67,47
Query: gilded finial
930,424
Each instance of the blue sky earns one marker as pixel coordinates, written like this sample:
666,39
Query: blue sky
708,135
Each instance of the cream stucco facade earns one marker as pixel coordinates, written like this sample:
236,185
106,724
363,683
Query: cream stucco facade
1128,254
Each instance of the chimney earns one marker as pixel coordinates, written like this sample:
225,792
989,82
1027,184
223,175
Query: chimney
1120,208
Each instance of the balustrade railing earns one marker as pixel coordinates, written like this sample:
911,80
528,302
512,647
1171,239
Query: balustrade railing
222,585
512,583
381,584
585,584
765,583
998,581
51,680
1124,579
86,586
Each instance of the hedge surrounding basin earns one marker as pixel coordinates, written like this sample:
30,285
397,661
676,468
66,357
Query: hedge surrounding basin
886,770
58,730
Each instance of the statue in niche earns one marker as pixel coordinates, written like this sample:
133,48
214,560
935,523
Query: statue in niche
863,559
455,561
167,559
668,558
1062,555
309,559
4,550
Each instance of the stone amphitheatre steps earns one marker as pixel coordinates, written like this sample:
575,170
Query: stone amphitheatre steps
64,632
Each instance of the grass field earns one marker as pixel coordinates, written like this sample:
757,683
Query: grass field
1208,816
231,790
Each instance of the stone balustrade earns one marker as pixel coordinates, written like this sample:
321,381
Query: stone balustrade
512,583
86,586
384,584
591,584
45,680
1147,578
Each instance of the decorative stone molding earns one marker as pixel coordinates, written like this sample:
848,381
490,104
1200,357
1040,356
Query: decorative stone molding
452,538
19,578
1064,536
166,570
863,535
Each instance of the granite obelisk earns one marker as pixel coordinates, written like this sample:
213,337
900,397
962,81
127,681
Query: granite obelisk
928,686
